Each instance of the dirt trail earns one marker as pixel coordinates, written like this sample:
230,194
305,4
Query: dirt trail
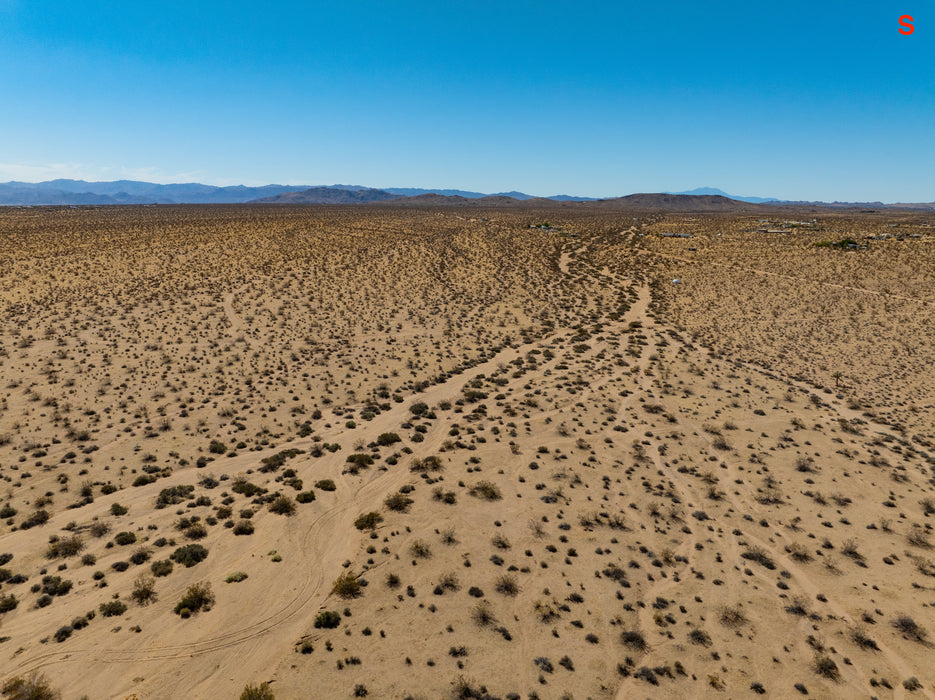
236,323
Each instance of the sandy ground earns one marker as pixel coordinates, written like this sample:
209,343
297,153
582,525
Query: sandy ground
584,481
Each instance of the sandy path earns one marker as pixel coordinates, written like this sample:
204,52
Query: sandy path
236,323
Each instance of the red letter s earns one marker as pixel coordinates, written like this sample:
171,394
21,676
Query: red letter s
906,21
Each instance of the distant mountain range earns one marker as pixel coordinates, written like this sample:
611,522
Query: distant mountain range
466,194
329,195
722,193
130,192
667,202
81,192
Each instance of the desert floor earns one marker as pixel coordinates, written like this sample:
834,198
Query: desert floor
433,453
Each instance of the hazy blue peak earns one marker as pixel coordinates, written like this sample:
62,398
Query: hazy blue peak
722,193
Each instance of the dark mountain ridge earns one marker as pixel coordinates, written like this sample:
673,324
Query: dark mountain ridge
81,192
328,195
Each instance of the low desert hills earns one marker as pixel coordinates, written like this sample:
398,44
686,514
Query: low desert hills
438,452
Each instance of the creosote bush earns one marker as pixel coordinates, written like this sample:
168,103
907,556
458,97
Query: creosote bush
347,585
257,692
486,490
189,555
112,608
144,590
327,619
825,666
386,439
420,550
506,585
910,628
64,547
398,502
732,617
161,568
198,598
634,639
283,505
33,687
125,538
243,527
368,521
482,615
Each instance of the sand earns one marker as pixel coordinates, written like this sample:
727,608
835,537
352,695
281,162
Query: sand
590,482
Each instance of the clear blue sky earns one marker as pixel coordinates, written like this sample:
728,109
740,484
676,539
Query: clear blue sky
800,100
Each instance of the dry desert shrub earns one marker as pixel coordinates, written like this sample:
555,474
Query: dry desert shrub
506,585
910,629
825,666
398,502
32,687
635,640
144,590
64,547
420,550
347,586
257,692
368,521
732,617
486,490
198,598
482,615
860,637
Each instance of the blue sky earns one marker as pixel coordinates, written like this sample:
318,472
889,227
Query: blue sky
798,100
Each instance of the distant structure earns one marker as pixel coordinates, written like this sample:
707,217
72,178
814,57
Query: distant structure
675,235
676,281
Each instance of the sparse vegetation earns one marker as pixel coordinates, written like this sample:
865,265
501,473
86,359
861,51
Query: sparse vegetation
283,505
368,521
198,598
555,451
189,555
327,620
257,692
347,585
486,490
32,687
144,590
